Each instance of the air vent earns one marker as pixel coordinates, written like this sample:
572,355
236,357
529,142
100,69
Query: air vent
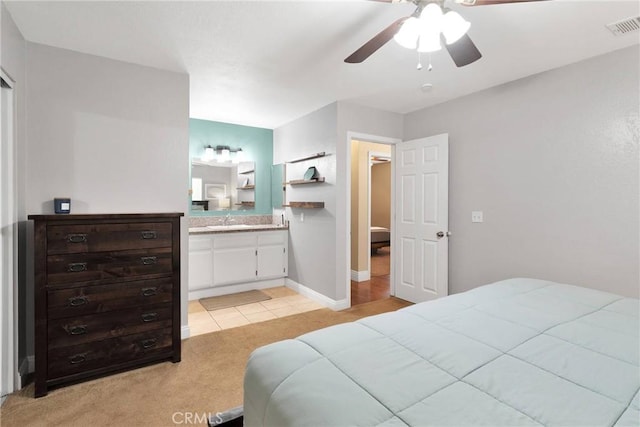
625,26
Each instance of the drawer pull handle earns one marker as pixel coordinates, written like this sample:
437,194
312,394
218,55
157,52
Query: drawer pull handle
78,330
78,358
149,317
76,267
149,292
149,260
78,301
76,238
149,234
149,343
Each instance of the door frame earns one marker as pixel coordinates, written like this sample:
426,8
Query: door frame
391,155
10,376
377,139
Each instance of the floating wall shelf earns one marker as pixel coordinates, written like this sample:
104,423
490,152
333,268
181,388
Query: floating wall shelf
305,181
246,204
313,156
247,187
305,205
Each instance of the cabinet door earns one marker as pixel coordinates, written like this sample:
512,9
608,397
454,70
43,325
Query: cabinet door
200,262
272,254
234,258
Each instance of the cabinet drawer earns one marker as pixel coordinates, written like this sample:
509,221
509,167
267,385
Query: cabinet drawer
82,267
66,239
103,298
95,327
272,238
83,358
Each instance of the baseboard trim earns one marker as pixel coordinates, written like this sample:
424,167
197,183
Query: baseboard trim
360,276
185,332
335,305
27,366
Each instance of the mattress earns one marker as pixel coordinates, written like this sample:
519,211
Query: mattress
380,234
517,352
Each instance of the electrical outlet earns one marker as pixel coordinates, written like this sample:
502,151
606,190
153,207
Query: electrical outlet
476,216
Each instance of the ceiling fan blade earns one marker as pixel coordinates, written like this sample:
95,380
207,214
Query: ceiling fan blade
463,52
488,2
375,43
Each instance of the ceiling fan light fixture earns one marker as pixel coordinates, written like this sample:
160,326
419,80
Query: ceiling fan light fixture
454,26
429,41
409,32
431,16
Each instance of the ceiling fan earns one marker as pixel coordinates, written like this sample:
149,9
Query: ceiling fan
463,51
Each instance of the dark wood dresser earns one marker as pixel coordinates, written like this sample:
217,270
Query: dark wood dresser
107,294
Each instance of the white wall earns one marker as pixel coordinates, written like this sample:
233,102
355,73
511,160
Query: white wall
112,136
552,160
312,239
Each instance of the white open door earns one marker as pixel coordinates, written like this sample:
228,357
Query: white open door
422,208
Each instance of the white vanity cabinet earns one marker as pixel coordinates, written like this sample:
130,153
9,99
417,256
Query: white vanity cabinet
271,257
200,261
221,263
234,258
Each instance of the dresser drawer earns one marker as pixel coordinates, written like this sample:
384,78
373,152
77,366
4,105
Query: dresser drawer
84,267
67,239
103,354
103,298
95,327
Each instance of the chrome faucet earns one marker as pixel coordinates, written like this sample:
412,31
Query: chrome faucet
227,219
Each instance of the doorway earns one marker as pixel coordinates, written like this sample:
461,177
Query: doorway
8,239
371,213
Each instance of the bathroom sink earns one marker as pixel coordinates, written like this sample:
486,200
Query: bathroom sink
228,227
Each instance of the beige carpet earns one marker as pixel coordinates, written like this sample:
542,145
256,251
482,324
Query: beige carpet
232,300
209,378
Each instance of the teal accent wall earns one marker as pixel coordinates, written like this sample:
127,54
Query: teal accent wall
257,145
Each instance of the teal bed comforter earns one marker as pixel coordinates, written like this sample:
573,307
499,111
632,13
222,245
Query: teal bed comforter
519,352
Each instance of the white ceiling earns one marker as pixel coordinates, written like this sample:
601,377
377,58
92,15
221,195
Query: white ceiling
265,63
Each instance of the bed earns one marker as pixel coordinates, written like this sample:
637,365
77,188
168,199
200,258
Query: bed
517,352
380,237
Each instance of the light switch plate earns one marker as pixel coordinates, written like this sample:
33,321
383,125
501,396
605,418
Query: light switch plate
476,216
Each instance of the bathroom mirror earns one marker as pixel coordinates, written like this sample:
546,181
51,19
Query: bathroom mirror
222,186
277,186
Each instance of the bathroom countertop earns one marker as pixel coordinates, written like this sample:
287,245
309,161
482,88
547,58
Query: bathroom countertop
235,228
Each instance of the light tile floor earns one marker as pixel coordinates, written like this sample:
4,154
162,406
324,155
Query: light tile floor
283,302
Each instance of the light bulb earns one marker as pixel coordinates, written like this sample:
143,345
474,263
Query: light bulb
454,26
408,34
208,153
429,41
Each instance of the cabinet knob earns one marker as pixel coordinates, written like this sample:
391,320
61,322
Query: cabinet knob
149,234
149,343
148,292
77,330
77,358
76,238
77,301
149,317
149,260
76,267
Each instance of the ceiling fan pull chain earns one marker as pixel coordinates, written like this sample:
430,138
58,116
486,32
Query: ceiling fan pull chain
419,67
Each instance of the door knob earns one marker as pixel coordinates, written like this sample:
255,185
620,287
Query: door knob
441,234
